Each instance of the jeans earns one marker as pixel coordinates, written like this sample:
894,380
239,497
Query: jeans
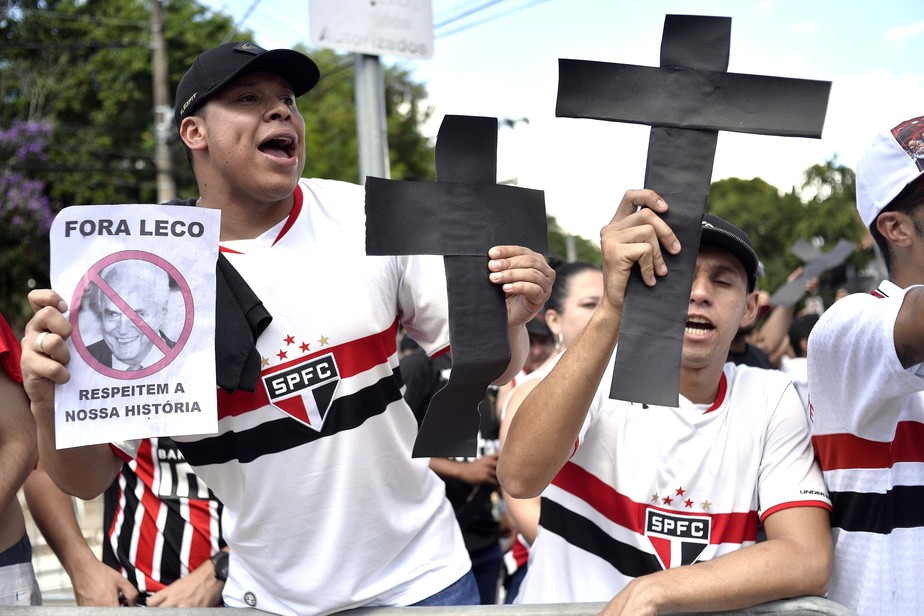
463,591
513,583
486,565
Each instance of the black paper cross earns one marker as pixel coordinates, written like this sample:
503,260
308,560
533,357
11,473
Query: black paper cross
460,216
816,264
686,101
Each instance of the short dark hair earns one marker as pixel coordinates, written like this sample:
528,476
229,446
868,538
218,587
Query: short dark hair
564,272
801,328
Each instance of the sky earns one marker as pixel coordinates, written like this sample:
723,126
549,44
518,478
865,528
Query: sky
502,61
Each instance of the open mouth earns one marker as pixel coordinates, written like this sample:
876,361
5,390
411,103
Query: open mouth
278,147
698,325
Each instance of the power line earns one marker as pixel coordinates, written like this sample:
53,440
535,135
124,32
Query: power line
275,24
244,17
454,15
466,12
491,17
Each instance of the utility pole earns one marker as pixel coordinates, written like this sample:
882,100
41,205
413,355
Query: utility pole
371,127
370,28
163,110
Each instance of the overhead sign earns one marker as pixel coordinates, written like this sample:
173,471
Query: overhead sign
374,27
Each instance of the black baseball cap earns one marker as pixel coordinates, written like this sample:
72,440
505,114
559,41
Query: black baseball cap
218,66
722,234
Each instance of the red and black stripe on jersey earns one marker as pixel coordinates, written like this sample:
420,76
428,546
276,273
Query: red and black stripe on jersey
172,528
584,534
874,512
346,412
629,560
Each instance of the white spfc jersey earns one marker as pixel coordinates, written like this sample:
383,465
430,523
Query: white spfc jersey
868,414
325,509
652,488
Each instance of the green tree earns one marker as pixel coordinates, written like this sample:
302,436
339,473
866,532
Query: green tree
768,218
25,211
584,249
822,211
330,116
84,68
830,213
829,205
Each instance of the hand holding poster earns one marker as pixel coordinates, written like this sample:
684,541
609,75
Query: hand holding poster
140,286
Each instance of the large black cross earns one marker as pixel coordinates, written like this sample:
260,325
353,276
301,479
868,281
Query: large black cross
460,216
686,100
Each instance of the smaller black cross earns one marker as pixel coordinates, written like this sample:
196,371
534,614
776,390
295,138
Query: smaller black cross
460,216
816,264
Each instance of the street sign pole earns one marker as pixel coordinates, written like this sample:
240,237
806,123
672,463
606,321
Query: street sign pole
371,127
371,29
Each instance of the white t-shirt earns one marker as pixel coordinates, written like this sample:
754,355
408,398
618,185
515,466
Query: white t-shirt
868,432
652,488
325,509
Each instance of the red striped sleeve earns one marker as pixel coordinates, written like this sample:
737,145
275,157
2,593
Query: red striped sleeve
791,504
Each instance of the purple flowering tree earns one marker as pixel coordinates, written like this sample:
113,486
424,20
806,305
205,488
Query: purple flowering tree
25,216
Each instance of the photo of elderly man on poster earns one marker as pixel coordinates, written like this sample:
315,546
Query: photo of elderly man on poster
133,315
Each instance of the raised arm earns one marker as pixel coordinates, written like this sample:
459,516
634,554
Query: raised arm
774,332
554,412
82,471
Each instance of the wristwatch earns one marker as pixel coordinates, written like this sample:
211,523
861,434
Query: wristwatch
220,562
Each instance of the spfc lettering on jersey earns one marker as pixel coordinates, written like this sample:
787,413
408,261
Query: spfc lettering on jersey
305,390
677,539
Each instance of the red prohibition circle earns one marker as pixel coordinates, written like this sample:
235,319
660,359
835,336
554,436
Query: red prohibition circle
93,274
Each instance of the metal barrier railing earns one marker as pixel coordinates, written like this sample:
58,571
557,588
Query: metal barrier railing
58,595
803,606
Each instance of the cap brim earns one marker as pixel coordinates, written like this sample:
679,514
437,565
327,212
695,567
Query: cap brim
296,68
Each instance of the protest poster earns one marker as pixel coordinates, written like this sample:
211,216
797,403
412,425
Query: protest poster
139,281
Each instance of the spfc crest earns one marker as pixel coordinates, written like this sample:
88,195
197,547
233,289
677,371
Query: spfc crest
677,539
304,390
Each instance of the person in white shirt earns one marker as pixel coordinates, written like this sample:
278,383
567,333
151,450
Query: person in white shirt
866,392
